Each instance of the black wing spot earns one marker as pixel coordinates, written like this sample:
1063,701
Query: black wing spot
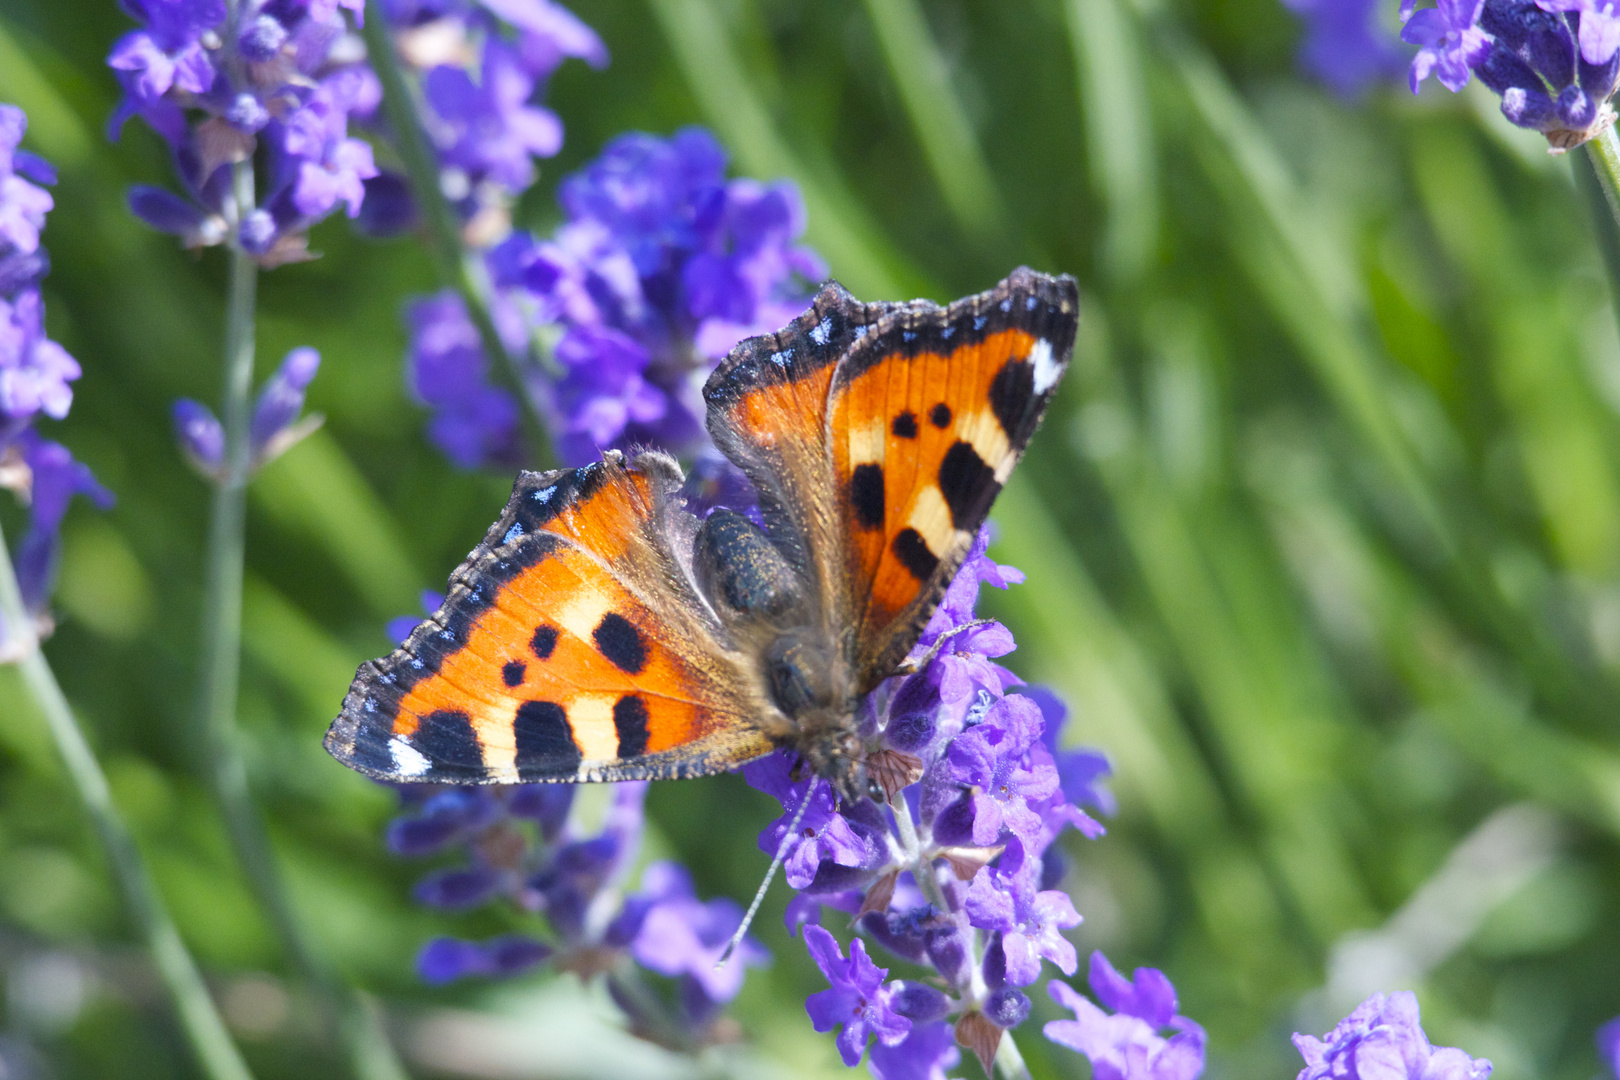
447,738
940,415
630,721
914,553
545,741
905,425
968,484
544,640
512,672
866,495
1012,395
621,643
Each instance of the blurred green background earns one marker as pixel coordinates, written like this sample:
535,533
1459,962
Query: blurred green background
1322,535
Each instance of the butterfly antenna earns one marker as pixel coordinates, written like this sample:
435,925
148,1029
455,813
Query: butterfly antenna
759,894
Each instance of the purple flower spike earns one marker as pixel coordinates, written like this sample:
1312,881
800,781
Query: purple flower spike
1383,1040
928,1052
1125,1046
1450,43
857,999
1608,1044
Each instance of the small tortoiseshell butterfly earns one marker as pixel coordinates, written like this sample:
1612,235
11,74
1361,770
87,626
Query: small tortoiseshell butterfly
601,632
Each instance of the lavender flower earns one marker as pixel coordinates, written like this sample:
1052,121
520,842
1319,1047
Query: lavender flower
1344,45
1608,1044
1383,1040
1449,42
275,426
35,373
218,85
858,1002
661,267
1127,1045
1555,63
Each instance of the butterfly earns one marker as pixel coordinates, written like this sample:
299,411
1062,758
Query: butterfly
602,632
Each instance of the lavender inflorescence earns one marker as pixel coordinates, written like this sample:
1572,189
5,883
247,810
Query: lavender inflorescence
222,83
958,874
36,373
1554,63
524,845
661,266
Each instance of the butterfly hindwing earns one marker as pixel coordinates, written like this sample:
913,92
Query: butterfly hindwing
928,415
571,646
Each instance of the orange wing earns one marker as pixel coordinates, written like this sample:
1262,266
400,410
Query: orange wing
928,416
879,435
572,646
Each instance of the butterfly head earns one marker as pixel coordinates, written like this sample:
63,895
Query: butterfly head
803,685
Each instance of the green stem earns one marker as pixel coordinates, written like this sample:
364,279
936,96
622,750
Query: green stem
458,268
1599,180
216,1053
1604,154
1009,1060
370,1055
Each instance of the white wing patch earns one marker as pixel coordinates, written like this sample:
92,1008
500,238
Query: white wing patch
1047,370
408,760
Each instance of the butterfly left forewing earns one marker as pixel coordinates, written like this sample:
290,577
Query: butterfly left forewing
928,415
571,646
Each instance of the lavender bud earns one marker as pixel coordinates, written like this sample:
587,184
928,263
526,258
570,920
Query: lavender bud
165,211
262,38
921,1003
282,398
913,714
948,952
515,953
457,890
420,836
257,232
1007,1007
247,113
200,435
388,210
444,960
546,805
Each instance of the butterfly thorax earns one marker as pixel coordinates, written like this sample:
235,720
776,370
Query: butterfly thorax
769,609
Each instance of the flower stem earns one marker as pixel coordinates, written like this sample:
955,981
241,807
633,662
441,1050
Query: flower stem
217,1055
458,268
1597,181
1009,1061
370,1056
1604,154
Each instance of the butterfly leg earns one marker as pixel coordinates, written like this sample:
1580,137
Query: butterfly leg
911,667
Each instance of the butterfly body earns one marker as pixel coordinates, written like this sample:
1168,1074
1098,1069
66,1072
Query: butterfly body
601,632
